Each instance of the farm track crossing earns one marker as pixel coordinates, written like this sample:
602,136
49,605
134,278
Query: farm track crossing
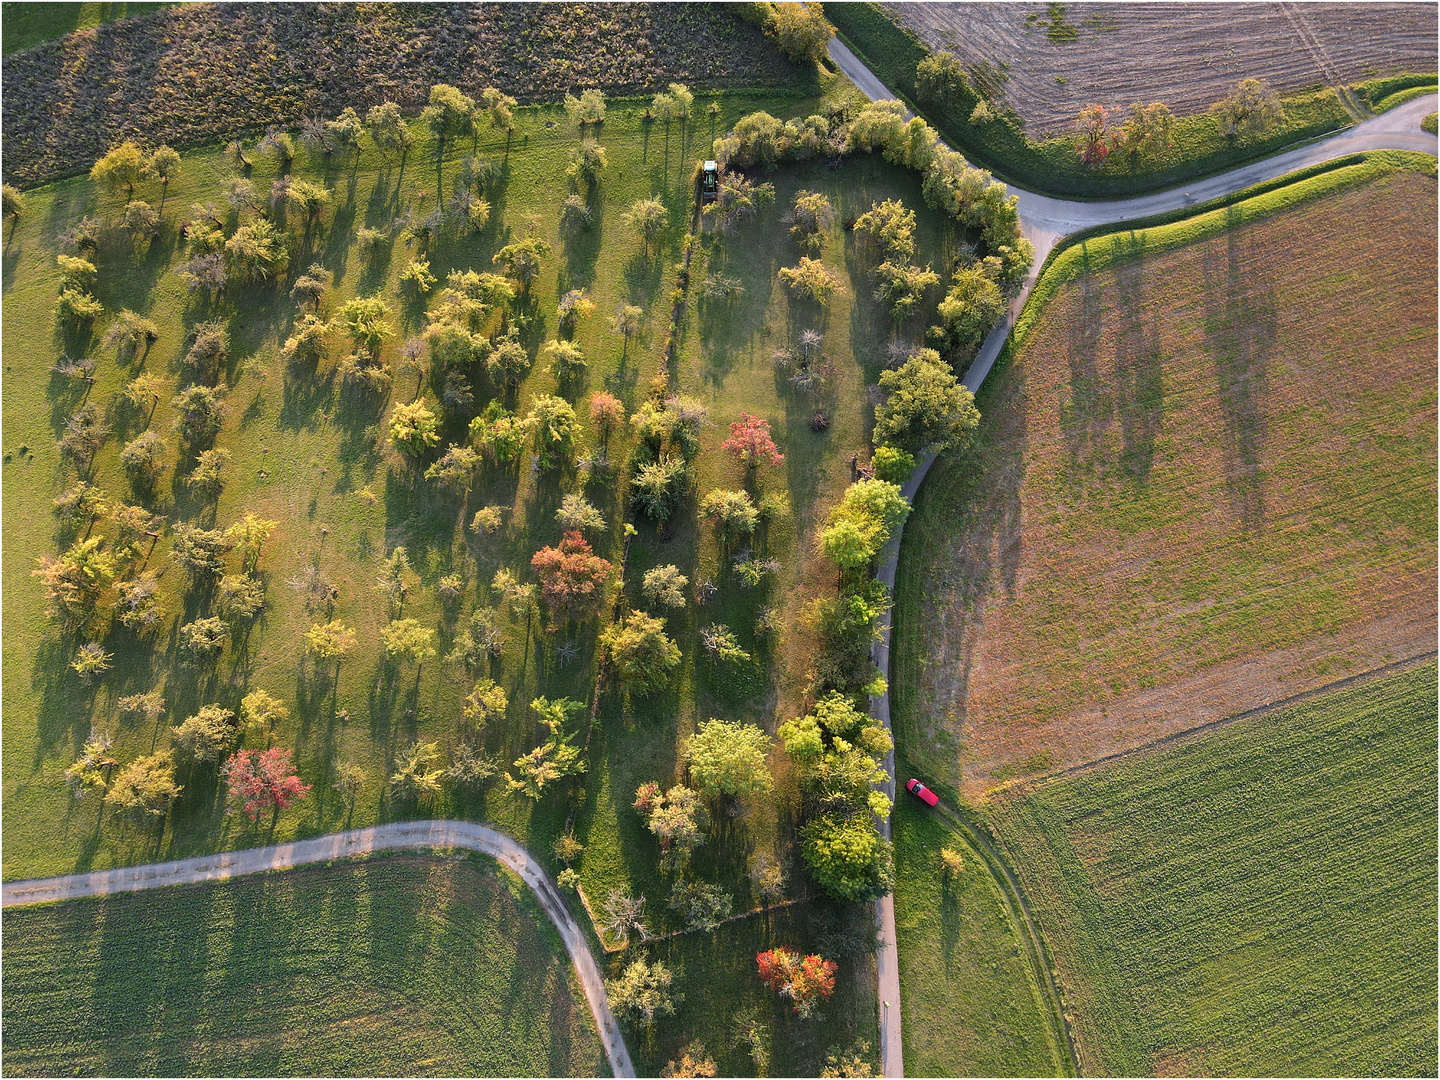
1046,221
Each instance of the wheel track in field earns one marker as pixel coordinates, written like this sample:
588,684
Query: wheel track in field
390,837
1045,221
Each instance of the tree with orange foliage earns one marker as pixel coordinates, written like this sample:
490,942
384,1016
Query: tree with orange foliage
806,981
572,578
750,441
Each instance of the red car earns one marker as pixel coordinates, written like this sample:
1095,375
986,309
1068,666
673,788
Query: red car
921,792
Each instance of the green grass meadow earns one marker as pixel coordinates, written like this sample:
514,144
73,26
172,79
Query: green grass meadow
25,24
971,1006
391,965
1259,900
319,464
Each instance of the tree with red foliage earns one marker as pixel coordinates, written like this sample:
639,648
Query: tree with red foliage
572,577
750,441
1091,130
806,980
264,780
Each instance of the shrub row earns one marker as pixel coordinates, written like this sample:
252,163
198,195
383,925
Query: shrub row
68,101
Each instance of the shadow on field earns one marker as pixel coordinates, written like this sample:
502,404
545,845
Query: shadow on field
1139,376
1240,327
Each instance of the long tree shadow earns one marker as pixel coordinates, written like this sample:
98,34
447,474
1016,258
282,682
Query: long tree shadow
1139,366
1085,417
1240,331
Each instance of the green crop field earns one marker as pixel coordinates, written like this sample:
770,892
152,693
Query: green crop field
1259,900
390,965
971,1005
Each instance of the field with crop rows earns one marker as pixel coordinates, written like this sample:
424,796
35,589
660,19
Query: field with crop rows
1258,900
1057,58
391,965
1205,481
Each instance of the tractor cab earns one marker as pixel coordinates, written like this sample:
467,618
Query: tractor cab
709,182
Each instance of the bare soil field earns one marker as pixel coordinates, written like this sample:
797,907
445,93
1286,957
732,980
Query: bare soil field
68,101
1187,55
1207,482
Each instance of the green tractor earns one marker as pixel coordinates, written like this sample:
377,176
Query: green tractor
709,182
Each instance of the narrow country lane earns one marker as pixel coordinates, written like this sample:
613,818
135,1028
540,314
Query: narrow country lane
1045,221
400,834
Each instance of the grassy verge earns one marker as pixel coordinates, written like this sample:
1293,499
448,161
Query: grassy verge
389,965
1261,900
1428,123
971,1003
1053,166
1382,95
25,24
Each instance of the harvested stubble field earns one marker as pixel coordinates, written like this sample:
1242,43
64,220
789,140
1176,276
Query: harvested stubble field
1259,900
68,101
1204,482
388,966
1187,55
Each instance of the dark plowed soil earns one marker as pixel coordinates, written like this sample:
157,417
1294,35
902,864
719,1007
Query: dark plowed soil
1187,55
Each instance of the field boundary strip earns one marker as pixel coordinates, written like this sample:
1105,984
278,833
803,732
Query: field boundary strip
432,835
1358,679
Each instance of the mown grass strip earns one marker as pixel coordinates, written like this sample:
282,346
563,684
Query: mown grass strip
1053,167
1384,94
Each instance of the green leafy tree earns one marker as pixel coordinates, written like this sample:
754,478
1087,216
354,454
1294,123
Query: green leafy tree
11,199
848,858
262,712
143,460
640,652
657,488
731,512
418,774
142,792
892,227
800,31
1150,129
902,287
1249,109
413,428
405,641
665,586
810,280
521,260
448,115
122,167
970,310
941,78
256,252
550,761
499,107
76,580
729,759
577,514
201,552
206,737
642,994
554,426
647,218
926,408
199,414
587,162
203,640
388,129
588,108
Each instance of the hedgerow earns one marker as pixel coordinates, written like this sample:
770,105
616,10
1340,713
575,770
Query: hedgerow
67,101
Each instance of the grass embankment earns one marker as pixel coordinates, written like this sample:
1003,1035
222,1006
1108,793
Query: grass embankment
390,965
972,1001
1175,507
1381,95
1053,166
1260,900
25,24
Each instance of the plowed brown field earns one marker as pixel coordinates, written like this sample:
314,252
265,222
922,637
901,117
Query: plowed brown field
1206,482
1187,55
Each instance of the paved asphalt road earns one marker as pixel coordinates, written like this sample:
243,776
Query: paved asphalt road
1045,221
400,834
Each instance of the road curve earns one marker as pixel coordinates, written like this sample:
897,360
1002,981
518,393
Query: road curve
400,834
1045,221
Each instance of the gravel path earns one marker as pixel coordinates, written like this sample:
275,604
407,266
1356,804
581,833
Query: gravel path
1045,221
403,834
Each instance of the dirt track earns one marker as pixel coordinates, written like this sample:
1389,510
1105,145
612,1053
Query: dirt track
1187,55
